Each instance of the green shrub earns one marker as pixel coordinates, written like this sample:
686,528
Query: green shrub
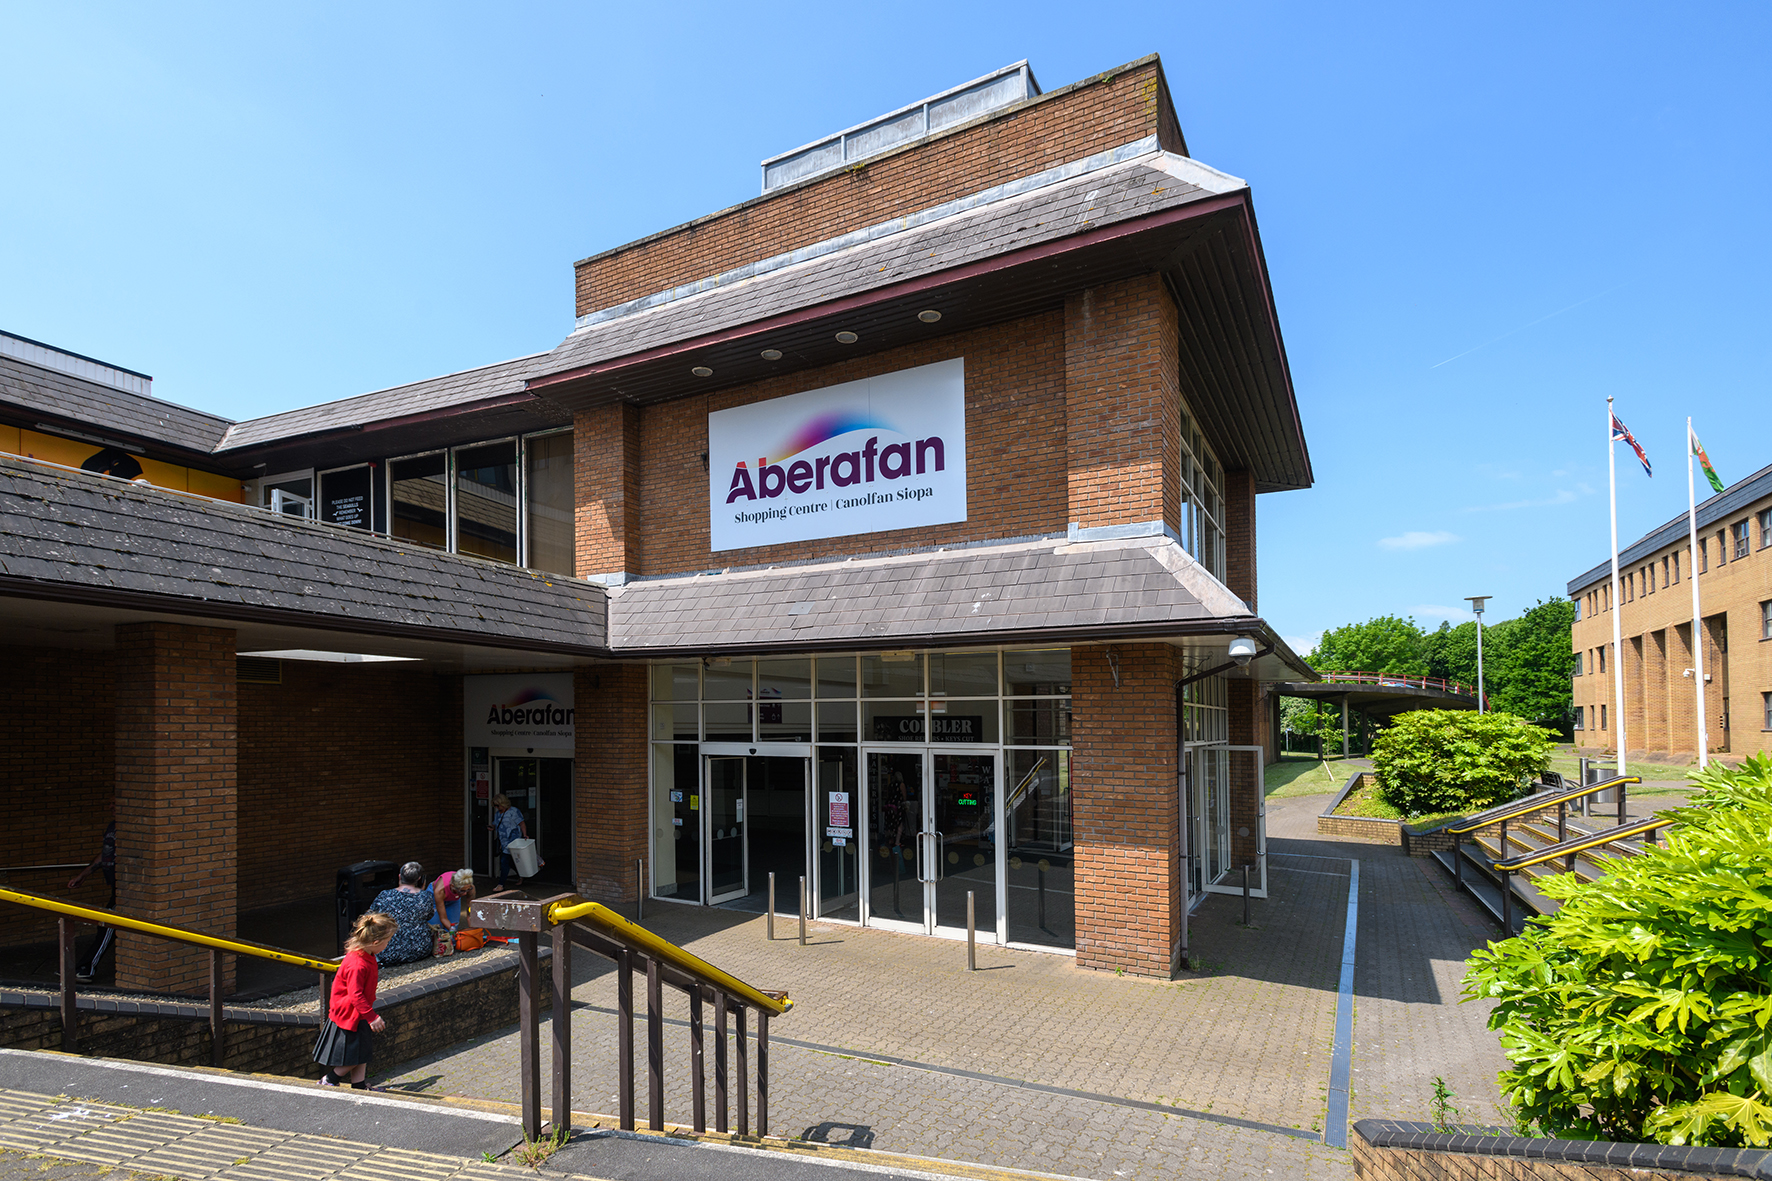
1639,1012
1442,760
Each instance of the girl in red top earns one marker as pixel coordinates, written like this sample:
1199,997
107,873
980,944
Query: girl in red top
345,1043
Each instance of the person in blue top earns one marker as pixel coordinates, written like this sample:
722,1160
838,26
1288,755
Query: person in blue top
508,825
105,863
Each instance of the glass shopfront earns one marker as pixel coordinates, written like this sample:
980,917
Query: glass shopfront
898,783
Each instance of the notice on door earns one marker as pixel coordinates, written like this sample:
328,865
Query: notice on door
840,811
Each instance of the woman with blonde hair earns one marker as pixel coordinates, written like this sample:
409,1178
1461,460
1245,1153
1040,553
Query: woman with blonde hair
346,1040
448,892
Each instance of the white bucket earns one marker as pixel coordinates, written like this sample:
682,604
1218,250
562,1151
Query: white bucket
522,851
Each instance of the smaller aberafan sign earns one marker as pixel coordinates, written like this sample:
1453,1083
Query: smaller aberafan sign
530,710
886,452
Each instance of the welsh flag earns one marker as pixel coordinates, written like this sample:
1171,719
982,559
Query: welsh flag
1710,473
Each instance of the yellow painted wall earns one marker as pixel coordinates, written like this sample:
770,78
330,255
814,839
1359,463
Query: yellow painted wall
75,452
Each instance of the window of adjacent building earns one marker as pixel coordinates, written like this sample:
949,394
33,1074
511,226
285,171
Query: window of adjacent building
1703,555
1665,564
1202,499
547,498
418,499
1722,547
1578,603
1602,651
1766,620
290,494
1766,705
1676,565
1740,531
1578,664
1578,725
1602,717
1765,527
1630,588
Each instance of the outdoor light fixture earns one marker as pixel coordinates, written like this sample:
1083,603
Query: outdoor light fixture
702,371
929,317
1242,651
1477,602
772,354
847,337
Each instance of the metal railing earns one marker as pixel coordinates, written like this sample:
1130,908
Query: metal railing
1571,846
1408,680
572,921
68,914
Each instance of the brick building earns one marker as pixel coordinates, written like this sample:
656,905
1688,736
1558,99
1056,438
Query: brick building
1655,589
895,528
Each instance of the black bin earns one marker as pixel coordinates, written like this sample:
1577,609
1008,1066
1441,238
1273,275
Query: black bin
357,887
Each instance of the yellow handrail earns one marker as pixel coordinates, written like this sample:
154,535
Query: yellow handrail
1582,844
598,915
106,918
1526,805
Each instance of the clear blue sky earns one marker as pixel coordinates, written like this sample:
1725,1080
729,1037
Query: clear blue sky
1480,220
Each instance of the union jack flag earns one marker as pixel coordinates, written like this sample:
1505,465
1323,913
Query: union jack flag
1621,434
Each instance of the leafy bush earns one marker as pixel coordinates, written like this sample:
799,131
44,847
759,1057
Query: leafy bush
1442,760
1640,1010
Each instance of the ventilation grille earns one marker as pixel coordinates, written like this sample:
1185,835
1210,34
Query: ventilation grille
258,670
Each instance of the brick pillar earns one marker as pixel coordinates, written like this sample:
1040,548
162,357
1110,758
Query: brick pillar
1245,718
606,491
1121,403
1239,534
1655,704
177,819
1125,808
609,781
1633,697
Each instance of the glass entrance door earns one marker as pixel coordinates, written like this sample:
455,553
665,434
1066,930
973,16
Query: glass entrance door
723,830
541,791
964,806
932,822
895,838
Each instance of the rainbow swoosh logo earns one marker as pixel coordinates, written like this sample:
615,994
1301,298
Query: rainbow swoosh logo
528,695
824,428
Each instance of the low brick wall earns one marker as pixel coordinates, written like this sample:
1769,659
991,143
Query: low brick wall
1361,828
422,1018
1425,844
1395,1150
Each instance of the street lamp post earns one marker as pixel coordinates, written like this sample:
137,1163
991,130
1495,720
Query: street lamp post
1477,602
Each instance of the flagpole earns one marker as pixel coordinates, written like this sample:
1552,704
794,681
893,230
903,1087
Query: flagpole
1697,616
1617,599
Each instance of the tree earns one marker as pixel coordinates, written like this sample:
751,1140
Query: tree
1642,1009
1385,644
1446,760
1535,663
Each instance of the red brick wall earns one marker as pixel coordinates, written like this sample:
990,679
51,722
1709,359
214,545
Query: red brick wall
1068,124
1125,804
609,780
1015,440
1239,534
56,763
1121,397
343,763
175,796
1245,718
606,478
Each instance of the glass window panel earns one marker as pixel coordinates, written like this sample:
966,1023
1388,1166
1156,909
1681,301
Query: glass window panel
547,494
904,721
836,676
675,722
486,501
836,721
1037,674
728,721
676,822
892,676
676,682
1041,904
838,807
784,721
345,497
728,682
790,680
963,674
893,721
1044,721
420,496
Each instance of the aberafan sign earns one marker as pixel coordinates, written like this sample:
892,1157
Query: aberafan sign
886,452
530,710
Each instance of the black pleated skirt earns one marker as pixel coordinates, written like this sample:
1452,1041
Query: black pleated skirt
343,1047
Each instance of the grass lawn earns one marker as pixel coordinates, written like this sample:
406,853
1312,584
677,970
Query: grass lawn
1299,774
1563,762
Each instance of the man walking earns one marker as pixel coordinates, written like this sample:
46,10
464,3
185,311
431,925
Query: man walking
105,863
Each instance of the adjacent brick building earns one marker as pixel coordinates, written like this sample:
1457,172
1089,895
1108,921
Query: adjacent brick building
1734,572
895,528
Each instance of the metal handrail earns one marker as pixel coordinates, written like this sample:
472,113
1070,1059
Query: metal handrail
106,918
1526,805
1412,680
595,914
1581,844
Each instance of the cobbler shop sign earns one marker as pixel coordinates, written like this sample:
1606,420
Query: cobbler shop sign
887,452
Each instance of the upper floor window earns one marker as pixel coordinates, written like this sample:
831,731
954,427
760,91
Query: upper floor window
1722,547
1765,527
1703,554
1578,603
1676,565
509,501
1740,531
1202,499
1766,620
1578,664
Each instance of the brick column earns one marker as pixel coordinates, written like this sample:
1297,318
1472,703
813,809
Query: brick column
1125,808
1245,719
609,781
1655,690
1239,534
606,491
1121,403
177,821
1633,697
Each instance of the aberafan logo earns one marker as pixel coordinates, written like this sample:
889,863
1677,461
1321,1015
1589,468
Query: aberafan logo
845,469
531,708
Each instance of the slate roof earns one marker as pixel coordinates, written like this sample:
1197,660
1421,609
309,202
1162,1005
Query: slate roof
77,536
1147,184
983,594
1725,504
503,379
105,409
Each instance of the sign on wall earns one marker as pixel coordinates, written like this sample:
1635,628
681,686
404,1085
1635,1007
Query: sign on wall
887,452
521,709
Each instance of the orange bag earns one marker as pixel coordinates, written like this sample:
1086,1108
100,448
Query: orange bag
469,939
